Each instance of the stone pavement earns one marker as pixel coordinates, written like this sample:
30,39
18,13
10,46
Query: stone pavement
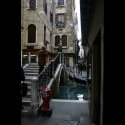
46,121
65,112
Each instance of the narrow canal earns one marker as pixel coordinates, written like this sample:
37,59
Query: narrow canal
73,91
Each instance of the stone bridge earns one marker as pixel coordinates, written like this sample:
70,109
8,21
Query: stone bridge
50,77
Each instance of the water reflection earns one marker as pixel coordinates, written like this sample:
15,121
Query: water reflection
73,92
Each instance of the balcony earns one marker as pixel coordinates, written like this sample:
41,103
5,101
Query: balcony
58,6
60,24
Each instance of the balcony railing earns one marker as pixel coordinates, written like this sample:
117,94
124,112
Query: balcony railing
60,24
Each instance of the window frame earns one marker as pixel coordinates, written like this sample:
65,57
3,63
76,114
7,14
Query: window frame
58,41
65,45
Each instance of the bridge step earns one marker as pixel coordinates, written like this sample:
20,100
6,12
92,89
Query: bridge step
33,66
25,111
30,70
29,88
30,78
26,101
28,94
28,82
31,73
26,108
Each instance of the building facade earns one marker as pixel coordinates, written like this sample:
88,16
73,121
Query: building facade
92,13
36,28
64,29
48,23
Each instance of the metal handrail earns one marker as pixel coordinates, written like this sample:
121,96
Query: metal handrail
24,67
49,71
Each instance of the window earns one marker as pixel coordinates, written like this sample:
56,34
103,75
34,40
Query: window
51,17
60,2
64,40
31,33
32,4
45,6
33,58
57,40
25,59
60,20
44,34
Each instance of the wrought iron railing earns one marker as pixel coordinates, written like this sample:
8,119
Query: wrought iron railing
49,71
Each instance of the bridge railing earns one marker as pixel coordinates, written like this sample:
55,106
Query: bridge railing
49,71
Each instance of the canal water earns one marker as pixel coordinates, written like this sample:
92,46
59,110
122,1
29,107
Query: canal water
73,91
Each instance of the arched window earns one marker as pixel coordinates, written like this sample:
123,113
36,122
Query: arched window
32,4
31,33
60,2
64,40
57,40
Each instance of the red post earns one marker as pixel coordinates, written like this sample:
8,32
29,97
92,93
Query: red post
45,109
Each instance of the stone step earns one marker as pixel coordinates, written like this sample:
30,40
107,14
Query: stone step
30,70
25,111
26,102
29,87
28,82
28,95
30,78
29,113
32,74
26,108
33,66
